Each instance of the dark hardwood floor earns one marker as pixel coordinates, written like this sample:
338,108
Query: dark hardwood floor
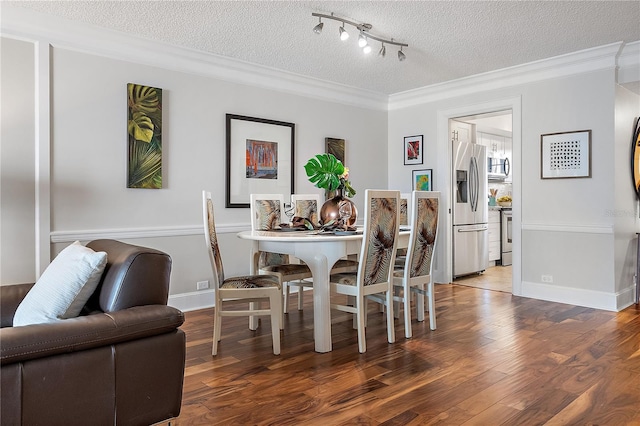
494,359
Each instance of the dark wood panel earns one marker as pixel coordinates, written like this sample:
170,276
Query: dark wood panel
494,359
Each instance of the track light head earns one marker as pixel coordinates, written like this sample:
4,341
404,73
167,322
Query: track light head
367,49
362,40
343,33
401,55
318,28
383,51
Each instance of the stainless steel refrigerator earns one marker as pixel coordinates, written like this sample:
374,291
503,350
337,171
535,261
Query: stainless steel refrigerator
470,211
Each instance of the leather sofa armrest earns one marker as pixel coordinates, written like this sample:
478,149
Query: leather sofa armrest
86,332
10,298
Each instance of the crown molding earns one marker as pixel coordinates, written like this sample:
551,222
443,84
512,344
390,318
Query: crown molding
29,25
597,58
629,63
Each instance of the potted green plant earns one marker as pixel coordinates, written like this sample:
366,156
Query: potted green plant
327,172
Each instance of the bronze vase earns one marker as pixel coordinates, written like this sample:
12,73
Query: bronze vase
331,209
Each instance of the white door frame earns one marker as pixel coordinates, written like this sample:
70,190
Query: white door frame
444,272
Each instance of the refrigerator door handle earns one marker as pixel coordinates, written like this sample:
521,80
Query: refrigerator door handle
484,228
473,184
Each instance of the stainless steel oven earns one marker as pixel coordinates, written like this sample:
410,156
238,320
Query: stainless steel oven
506,236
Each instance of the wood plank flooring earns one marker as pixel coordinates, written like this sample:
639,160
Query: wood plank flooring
498,278
494,359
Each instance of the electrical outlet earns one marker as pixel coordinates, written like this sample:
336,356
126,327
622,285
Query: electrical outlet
202,285
547,278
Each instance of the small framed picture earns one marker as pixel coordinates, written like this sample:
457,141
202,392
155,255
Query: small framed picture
413,150
565,155
422,180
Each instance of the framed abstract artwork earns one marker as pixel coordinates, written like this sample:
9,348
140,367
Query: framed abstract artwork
413,150
565,155
336,147
260,158
422,180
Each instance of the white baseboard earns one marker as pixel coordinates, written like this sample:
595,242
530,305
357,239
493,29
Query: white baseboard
202,299
580,297
192,301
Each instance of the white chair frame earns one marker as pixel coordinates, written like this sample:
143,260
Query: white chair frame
251,295
359,292
421,285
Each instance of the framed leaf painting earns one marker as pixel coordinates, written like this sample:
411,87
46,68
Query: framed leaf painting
144,129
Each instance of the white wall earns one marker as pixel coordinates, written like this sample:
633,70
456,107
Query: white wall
625,212
17,163
89,198
566,229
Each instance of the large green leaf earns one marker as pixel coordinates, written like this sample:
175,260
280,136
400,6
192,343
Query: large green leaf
324,171
145,166
143,98
141,127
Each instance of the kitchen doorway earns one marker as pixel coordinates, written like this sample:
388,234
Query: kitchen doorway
493,131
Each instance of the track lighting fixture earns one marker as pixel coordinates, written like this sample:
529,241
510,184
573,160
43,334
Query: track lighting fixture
383,51
401,55
363,37
362,40
343,33
318,28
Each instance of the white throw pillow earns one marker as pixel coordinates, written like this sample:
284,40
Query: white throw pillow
63,288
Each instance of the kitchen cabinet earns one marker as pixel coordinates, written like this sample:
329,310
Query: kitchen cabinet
461,131
494,235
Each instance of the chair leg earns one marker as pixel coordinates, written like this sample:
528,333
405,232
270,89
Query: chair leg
285,307
300,297
391,332
407,312
420,303
217,324
360,318
396,306
432,306
253,319
275,304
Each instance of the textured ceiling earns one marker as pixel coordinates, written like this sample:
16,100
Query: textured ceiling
447,39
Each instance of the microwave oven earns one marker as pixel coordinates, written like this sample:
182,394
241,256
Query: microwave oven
498,168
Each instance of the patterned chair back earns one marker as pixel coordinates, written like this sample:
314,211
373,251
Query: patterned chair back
265,216
211,239
404,209
380,236
265,211
307,206
424,232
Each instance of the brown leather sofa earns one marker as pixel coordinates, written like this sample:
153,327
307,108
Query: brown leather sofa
121,362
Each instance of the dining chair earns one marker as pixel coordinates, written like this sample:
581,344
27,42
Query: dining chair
415,276
248,288
308,206
405,208
375,269
265,216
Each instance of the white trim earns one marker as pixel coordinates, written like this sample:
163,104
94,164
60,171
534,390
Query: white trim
565,227
82,37
444,273
629,63
192,301
42,142
597,58
576,296
135,233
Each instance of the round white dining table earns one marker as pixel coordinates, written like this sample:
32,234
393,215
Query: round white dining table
320,252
